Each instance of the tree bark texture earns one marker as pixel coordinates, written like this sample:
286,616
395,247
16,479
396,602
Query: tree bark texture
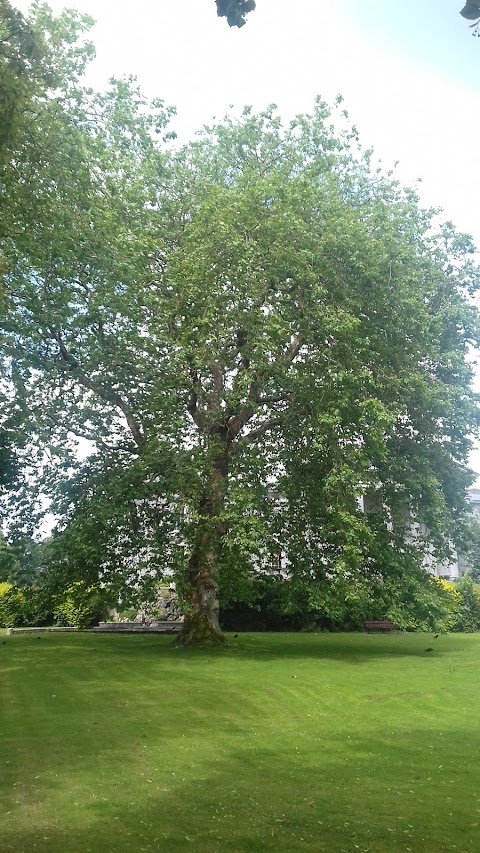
201,623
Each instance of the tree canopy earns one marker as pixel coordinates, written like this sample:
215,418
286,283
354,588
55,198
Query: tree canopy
251,332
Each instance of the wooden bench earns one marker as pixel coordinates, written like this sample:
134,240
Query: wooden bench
382,625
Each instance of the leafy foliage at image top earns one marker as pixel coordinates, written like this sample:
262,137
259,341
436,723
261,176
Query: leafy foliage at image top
235,11
471,11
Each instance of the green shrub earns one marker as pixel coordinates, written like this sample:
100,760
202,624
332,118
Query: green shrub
11,606
80,605
24,606
430,606
468,610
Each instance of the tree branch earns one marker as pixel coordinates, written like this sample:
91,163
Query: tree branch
238,421
77,432
218,379
193,408
293,349
109,395
252,436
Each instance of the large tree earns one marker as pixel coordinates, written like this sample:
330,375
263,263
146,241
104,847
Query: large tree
252,331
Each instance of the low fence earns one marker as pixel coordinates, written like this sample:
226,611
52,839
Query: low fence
52,629
154,627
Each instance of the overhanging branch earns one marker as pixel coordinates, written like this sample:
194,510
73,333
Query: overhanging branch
259,431
109,395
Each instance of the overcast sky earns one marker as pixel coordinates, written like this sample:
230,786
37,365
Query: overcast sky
409,72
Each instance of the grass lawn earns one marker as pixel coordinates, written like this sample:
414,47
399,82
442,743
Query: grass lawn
278,742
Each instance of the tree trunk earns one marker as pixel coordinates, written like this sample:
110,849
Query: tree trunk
201,623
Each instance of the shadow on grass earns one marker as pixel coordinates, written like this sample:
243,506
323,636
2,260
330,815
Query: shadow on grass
383,792
349,647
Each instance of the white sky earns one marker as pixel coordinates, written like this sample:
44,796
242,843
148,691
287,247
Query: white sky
409,72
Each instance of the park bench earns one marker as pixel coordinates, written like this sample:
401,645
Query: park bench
382,625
